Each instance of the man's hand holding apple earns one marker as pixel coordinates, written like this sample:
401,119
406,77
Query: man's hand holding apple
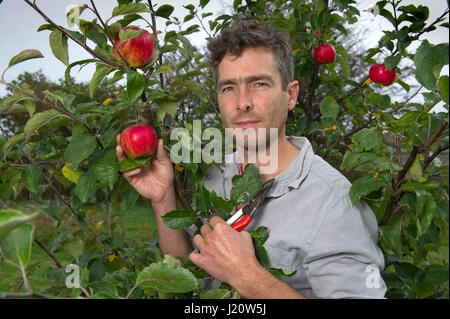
154,182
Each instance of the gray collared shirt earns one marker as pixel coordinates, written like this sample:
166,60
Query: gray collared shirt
314,229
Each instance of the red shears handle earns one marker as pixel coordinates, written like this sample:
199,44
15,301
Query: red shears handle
242,223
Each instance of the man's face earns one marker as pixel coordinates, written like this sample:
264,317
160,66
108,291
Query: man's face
250,93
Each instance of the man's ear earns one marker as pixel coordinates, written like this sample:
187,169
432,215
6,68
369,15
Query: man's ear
293,89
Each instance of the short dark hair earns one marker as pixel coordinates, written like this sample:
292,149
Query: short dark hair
250,34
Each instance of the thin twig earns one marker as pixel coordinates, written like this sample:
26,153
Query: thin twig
49,253
155,33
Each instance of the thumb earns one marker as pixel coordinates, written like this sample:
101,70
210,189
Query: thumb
161,154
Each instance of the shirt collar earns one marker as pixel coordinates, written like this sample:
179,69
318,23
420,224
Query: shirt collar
290,178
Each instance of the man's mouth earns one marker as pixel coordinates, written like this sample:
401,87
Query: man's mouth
247,123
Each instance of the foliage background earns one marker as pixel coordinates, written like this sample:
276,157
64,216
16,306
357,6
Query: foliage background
65,201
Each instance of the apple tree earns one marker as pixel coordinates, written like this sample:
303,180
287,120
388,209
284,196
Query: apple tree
61,163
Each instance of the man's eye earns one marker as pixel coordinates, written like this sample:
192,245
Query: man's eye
227,89
260,84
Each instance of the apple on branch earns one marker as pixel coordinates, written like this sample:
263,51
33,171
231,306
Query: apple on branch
379,74
324,54
138,141
136,51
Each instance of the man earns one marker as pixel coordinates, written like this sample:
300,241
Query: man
313,227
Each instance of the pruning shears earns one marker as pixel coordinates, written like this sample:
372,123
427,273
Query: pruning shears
244,215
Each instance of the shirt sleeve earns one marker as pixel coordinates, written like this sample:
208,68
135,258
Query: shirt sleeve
344,260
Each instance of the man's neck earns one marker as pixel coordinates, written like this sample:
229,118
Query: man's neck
286,152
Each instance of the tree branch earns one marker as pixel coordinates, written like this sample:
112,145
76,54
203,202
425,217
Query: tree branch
67,34
108,34
55,107
397,182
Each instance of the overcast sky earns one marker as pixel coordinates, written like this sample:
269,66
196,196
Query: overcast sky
19,22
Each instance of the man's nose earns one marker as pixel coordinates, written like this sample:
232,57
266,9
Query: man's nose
244,100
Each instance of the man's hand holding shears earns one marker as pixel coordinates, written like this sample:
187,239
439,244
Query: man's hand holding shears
226,252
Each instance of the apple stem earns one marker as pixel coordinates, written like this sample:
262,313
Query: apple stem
94,9
155,32
70,36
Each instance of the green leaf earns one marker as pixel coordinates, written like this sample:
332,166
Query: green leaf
202,200
408,118
216,294
246,186
344,66
11,218
416,172
97,37
167,278
101,71
25,55
103,165
179,219
164,11
329,107
58,44
130,8
16,139
15,247
46,26
417,186
363,186
79,149
81,62
433,275
41,119
392,61
135,85
52,209
167,105
443,88
352,160
425,216
390,238
221,206
259,237
367,139
74,248
429,60
283,274
203,3
30,177
260,253
86,187
164,69
127,34
261,234
129,164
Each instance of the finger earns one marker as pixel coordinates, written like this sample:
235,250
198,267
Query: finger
205,230
215,220
199,241
118,139
160,151
195,257
132,173
119,153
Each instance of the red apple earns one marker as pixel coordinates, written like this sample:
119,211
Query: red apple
136,51
379,74
324,54
139,140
